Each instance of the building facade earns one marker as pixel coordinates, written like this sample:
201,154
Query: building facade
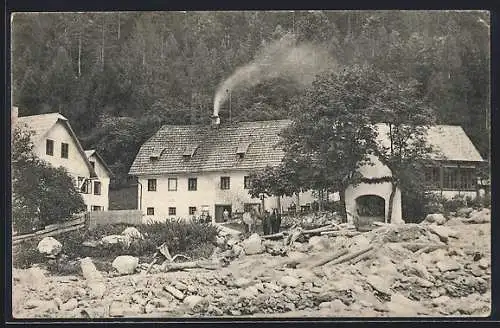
186,170
55,142
96,191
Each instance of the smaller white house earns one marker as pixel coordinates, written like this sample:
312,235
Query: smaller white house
56,143
98,193
451,171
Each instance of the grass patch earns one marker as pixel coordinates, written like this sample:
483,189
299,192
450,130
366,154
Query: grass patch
196,240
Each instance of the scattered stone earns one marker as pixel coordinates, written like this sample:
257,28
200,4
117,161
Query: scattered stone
196,303
253,245
235,312
215,311
337,306
289,281
289,306
483,216
242,282
175,292
49,246
179,285
417,269
249,292
133,233
116,239
317,243
441,300
41,305
380,284
465,212
220,241
437,218
484,263
448,265
117,309
69,305
442,232
125,264
401,306
424,282
272,286
95,280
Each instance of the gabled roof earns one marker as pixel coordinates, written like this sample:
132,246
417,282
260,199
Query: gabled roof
217,148
450,143
43,123
91,152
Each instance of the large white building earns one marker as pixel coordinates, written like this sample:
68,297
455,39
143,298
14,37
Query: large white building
183,170
56,143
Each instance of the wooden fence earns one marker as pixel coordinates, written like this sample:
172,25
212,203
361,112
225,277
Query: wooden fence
131,217
53,230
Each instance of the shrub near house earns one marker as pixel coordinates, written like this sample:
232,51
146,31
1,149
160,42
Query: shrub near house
41,194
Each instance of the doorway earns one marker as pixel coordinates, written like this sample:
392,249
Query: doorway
219,212
370,208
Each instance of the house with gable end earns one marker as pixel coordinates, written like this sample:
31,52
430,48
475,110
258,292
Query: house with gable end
183,170
56,143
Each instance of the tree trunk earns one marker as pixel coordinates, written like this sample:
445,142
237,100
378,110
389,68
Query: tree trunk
102,45
80,55
391,202
118,36
342,203
297,208
321,192
278,203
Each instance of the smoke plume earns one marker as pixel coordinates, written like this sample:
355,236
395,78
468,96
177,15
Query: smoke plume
282,58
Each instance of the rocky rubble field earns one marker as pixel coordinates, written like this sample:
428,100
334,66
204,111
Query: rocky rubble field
436,268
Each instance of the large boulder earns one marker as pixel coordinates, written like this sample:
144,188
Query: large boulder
464,212
483,216
318,243
125,264
437,218
448,265
196,303
49,246
116,239
442,232
253,245
132,233
289,281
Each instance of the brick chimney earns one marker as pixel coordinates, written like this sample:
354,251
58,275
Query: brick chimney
215,122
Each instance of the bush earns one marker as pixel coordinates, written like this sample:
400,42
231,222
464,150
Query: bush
42,194
452,205
25,254
192,239
480,202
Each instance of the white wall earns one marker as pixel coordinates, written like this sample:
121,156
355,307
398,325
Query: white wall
377,170
103,176
75,163
208,193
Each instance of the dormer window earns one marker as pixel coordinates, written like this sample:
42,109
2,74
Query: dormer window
242,149
189,151
156,154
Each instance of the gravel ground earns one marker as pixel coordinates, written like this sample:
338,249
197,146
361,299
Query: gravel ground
392,282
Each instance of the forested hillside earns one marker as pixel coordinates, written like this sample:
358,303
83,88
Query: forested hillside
119,76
